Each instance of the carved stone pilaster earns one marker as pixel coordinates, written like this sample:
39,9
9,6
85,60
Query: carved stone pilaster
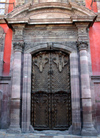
18,46
82,45
87,128
16,89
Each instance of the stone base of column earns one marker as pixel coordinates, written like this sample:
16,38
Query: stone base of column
14,129
31,129
89,131
74,131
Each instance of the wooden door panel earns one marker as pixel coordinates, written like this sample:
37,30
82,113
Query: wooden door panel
40,102
40,72
51,97
60,67
61,107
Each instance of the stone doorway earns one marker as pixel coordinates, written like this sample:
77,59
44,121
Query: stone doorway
51,93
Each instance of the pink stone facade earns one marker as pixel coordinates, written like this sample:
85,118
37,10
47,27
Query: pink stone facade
43,26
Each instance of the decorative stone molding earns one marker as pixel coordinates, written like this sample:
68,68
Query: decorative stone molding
66,13
50,45
82,45
18,46
82,31
31,46
18,32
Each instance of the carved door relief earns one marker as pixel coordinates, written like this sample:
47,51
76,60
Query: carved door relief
51,95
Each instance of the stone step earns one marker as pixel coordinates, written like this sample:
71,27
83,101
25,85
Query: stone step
45,134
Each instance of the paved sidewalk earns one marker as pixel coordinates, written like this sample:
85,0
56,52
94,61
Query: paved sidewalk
52,134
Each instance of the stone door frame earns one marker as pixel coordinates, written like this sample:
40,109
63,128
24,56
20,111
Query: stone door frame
75,90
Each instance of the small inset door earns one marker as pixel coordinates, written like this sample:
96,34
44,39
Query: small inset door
51,95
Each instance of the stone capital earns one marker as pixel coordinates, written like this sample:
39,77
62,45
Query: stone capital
18,32
82,45
18,46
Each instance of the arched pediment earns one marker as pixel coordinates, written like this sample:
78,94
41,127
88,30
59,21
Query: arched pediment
50,12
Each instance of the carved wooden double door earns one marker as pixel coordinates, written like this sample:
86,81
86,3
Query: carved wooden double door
51,97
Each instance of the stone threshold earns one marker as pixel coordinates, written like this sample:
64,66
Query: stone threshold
52,132
43,134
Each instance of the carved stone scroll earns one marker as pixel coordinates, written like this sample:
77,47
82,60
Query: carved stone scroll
82,45
18,46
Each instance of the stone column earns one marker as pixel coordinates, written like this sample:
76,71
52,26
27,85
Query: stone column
86,100
16,89
26,94
75,94
88,128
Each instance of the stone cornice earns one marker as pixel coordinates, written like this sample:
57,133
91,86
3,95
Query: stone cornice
82,45
18,46
50,13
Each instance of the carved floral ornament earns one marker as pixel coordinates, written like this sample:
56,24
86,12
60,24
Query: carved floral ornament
60,62
42,60
18,46
82,45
